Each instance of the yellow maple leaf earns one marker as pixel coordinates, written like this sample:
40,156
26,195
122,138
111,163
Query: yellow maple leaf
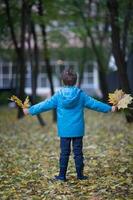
26,103
115,97
16,100
123,103
22,105
120,99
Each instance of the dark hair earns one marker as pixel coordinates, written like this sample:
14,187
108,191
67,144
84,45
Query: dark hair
69,77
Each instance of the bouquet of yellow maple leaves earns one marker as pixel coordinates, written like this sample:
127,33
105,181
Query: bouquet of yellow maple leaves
120,99
23,105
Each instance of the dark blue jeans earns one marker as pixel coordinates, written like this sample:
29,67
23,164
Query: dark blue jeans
65,145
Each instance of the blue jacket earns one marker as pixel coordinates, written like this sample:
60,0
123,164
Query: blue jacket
69,103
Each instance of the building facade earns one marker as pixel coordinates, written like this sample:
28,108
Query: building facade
8,77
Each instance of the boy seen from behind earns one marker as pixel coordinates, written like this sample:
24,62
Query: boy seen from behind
70,103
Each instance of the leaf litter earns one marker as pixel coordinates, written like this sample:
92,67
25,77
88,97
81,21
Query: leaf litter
29,156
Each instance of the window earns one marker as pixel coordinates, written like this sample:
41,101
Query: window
28,70
14,69
5,75
14,82
43,82
42,68
5,69
28,82
62,67
88,78
6,83
53,67
89,67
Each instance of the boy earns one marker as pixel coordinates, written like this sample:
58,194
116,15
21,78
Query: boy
69,103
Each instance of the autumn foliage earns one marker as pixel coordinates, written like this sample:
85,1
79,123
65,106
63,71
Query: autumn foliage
19,103
30,158
120,99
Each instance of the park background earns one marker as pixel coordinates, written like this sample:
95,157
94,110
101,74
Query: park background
38,39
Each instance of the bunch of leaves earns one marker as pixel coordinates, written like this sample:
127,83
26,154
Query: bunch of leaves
25,104
120,99
29,159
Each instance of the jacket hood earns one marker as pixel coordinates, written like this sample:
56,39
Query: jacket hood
70,96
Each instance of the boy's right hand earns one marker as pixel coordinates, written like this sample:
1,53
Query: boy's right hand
26,111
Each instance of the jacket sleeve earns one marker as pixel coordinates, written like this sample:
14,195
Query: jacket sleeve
44,106
93,104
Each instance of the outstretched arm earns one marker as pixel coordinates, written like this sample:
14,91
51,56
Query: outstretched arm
96,105
43,106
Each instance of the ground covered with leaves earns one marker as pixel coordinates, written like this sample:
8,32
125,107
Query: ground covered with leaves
29,157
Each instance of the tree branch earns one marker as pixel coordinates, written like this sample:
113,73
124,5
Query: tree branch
116,40
23,23
126,26
10,23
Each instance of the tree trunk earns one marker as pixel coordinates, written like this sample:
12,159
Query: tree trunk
103,81
118,51
81,70
101,70
35,68
46,53
20,49
22,54
22,70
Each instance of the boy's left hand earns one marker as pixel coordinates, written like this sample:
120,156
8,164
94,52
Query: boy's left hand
26,111
114,108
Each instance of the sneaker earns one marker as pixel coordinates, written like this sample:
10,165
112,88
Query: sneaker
60,178
82,178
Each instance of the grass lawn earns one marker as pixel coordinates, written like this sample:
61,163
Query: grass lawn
29,157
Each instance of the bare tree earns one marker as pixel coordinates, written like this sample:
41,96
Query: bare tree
119,45
34,60
46,52
19,45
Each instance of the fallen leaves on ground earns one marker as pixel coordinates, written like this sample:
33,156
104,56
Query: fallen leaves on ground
29,156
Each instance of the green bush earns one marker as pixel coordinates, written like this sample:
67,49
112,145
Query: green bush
4,97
